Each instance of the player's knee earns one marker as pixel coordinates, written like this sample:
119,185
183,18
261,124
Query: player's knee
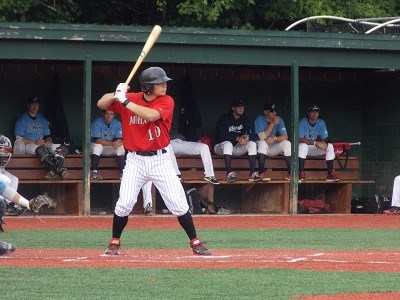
330,152
120,151
287,148
262,147
97,149
227,148
203,148
303,150
252,148
121,211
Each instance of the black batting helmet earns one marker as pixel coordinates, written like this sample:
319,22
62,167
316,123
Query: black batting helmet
150,76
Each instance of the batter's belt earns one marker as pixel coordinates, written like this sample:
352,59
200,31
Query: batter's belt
149,153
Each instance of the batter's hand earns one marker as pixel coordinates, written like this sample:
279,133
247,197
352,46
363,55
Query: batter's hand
120,96
122,87
321,145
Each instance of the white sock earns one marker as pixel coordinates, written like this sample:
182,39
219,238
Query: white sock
23,202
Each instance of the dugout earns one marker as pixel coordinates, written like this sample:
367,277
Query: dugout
353,77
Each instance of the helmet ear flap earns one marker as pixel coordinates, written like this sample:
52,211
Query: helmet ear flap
147,89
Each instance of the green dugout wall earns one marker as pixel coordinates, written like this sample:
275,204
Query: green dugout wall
354,78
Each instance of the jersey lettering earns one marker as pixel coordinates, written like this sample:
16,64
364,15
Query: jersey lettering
157,131
233,128
137,120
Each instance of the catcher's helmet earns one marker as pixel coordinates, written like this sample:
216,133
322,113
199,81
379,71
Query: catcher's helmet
5,150
151,76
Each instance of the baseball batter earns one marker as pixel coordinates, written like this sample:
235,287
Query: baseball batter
146,121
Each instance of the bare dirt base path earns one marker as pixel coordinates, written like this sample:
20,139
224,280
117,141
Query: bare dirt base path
370,261
208,222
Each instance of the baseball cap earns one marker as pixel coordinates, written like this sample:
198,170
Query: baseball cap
33,99
238,103
270,106
313,107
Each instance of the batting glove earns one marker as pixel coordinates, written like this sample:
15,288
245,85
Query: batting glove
120,96
122,87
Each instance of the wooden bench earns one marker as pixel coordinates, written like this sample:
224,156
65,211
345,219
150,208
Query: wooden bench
337,194
68,194
259,197
273,196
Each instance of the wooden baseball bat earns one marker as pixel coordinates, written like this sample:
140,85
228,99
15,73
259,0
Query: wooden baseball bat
146,49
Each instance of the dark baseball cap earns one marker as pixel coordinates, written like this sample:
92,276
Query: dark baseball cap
313,107
33,99
238,103
270,106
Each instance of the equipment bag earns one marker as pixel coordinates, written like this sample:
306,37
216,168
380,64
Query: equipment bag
313,206
372,205
198,204
341,151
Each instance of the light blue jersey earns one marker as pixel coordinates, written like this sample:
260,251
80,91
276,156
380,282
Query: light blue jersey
32,128
311,133
3,186
261,123
108,133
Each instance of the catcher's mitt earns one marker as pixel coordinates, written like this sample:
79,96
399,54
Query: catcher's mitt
321,145
6,248
42,200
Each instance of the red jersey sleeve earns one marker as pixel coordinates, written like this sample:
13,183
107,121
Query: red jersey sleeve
140,134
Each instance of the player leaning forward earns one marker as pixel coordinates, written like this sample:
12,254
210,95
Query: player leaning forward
146,121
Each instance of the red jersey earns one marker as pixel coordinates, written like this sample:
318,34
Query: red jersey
140,134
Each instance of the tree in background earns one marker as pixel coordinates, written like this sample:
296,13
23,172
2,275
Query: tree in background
241,14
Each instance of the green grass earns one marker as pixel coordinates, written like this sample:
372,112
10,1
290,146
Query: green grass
126,283
56,283
324,239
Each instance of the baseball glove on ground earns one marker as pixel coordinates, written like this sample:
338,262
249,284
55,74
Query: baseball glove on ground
321,145
6,248
42,200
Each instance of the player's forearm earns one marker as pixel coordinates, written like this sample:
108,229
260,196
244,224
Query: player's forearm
28,141
146,113
103,142
106,101
308,142
282,138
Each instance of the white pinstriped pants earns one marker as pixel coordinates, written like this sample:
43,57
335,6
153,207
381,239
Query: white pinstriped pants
158,169
396,192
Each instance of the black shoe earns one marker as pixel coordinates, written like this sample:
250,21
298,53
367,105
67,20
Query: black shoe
211,179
